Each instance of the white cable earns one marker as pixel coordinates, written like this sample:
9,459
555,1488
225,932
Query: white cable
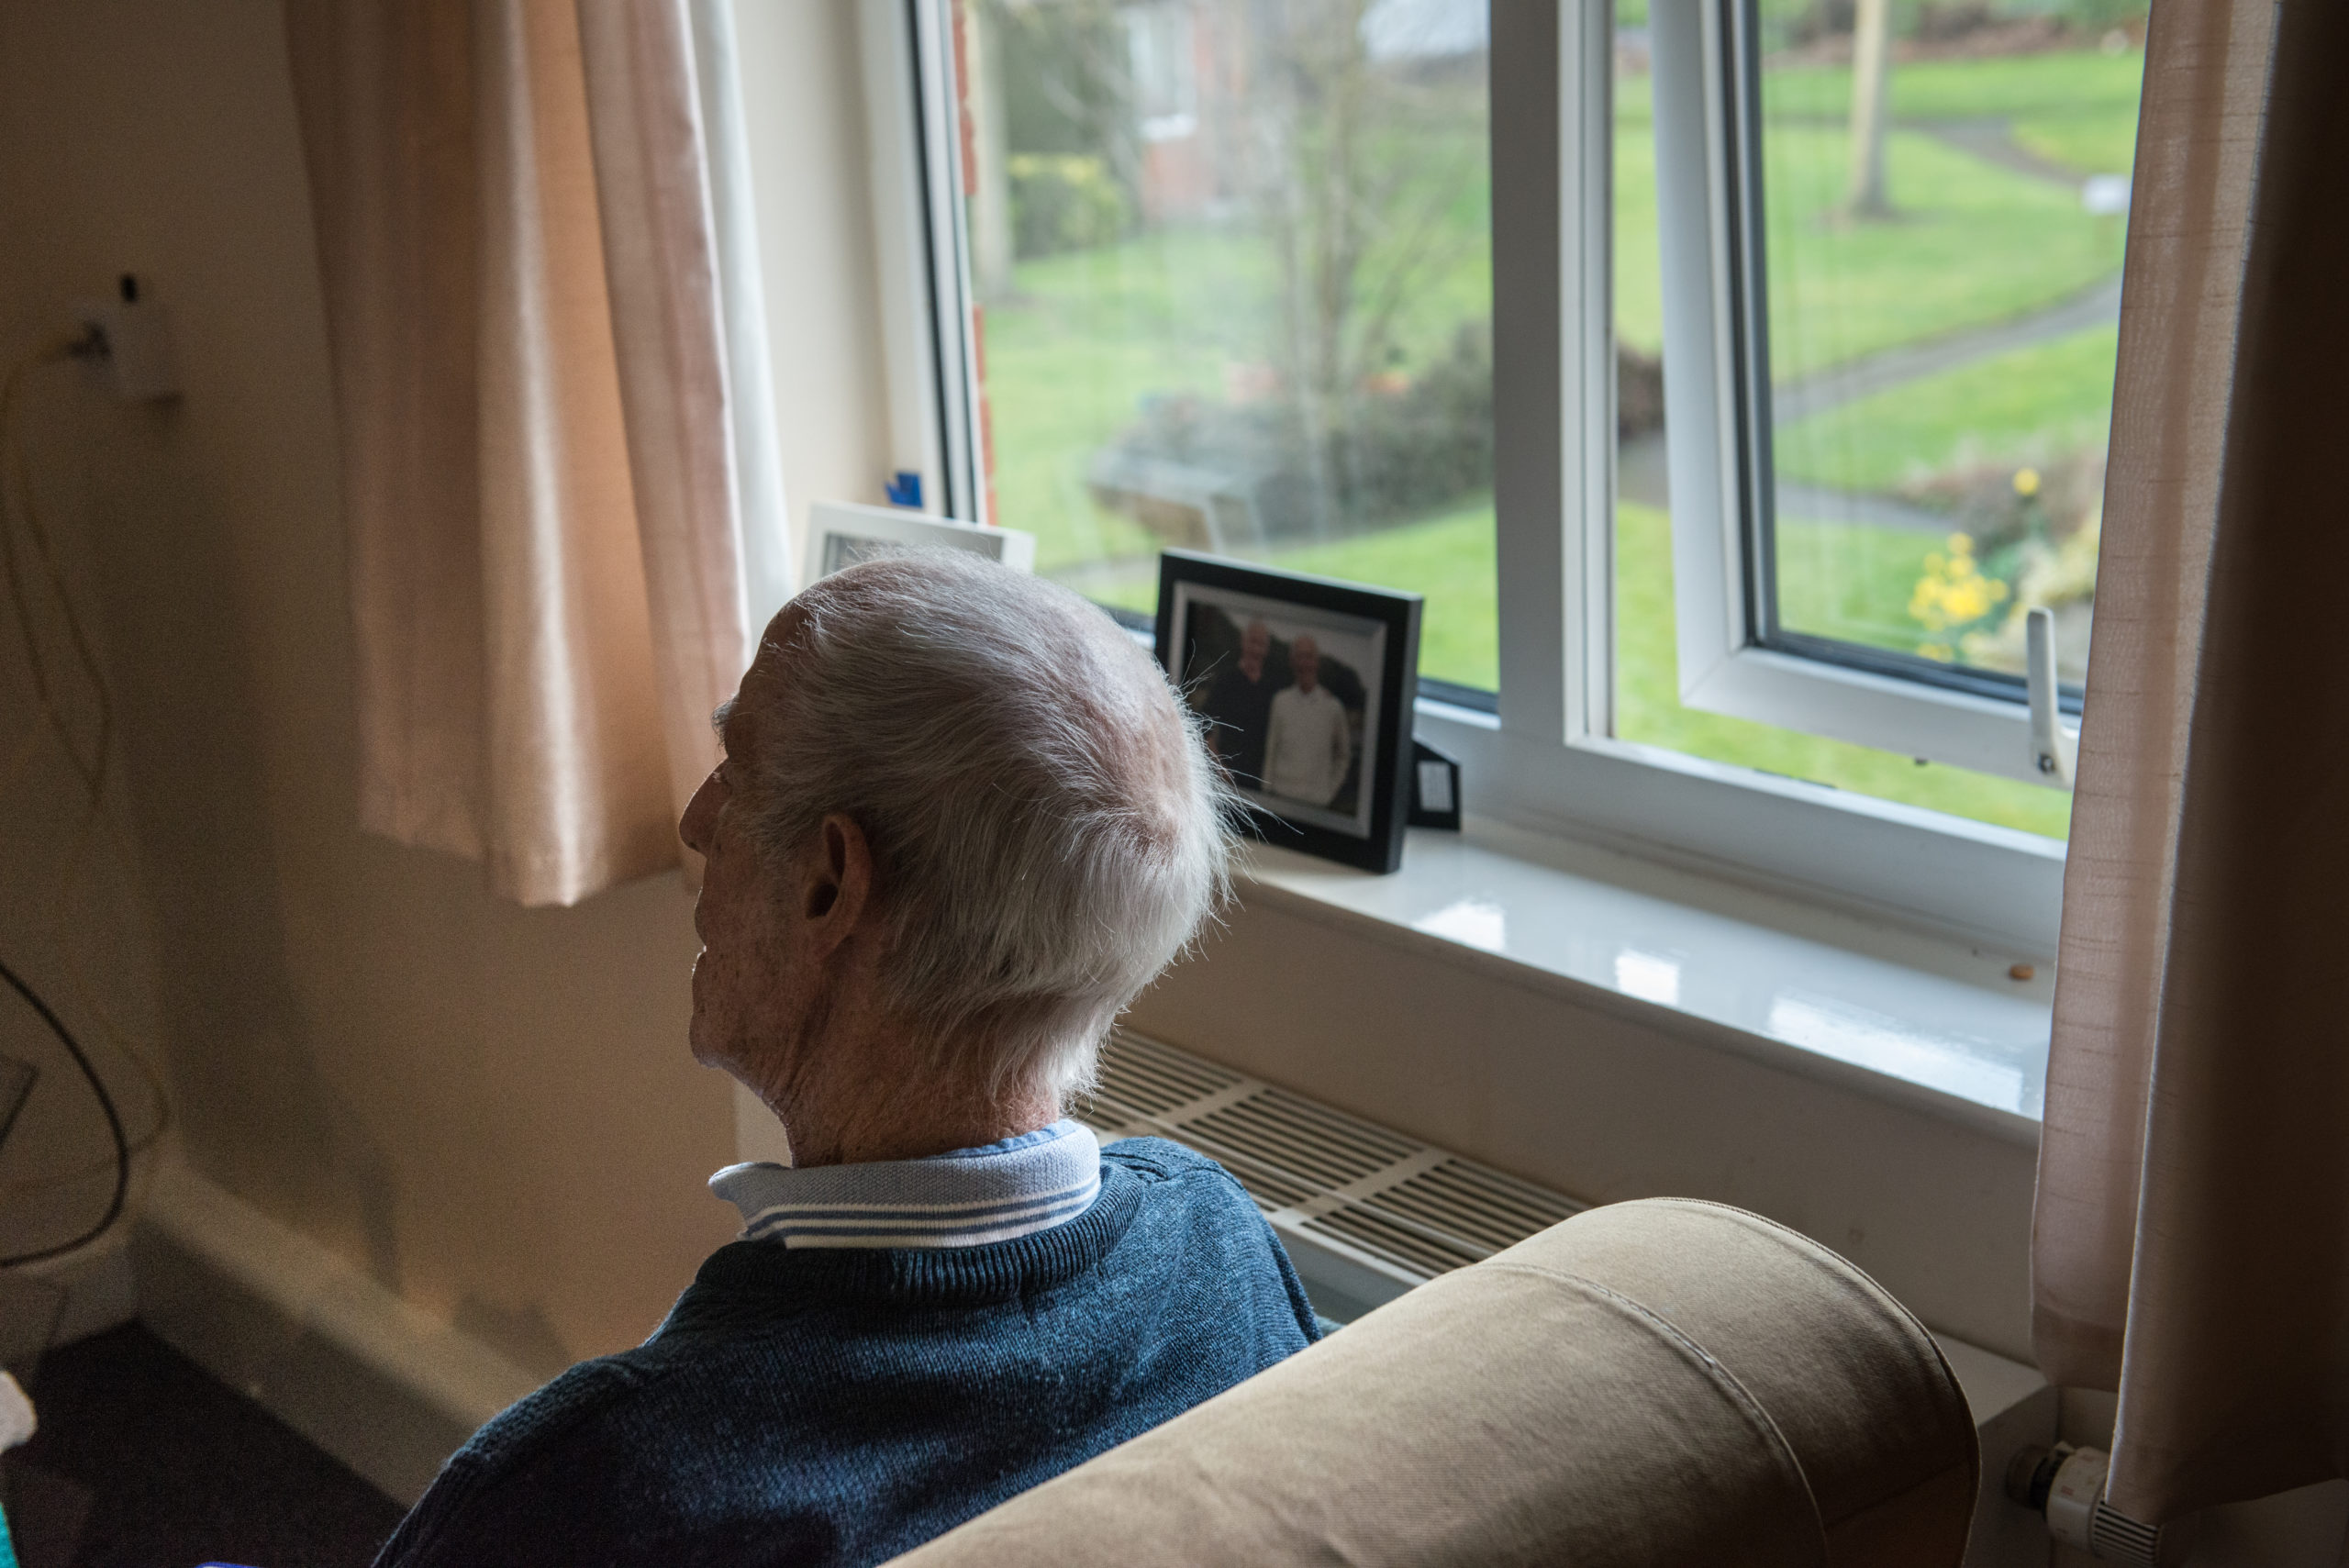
17,1420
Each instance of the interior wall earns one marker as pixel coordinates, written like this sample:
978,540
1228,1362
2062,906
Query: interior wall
803,111
489,1109
1605,1098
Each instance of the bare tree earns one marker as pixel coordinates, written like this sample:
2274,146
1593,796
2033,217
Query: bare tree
1352,186
1866,195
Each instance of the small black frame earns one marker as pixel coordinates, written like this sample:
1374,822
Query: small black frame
1364,656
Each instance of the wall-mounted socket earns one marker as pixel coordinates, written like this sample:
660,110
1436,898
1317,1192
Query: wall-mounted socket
130,342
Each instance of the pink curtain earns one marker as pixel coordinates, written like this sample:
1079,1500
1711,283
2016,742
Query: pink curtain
2191,1245
515,237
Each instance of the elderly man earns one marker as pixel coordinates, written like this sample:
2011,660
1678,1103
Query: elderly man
1238,705
1307,745
961,821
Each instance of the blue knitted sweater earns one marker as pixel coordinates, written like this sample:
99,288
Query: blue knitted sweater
817,1406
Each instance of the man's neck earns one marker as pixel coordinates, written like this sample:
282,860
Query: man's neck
866,1094
886,1128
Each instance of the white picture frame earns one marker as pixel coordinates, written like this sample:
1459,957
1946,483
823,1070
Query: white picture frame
839,533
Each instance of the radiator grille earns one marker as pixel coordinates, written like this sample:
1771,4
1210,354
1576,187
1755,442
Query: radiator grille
1153,1082
1280,1130
1408,1210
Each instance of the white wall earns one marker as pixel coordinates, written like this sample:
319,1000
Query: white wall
487,1108
804,115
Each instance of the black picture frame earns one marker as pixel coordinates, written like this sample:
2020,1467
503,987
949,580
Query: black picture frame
1364,658
1435,788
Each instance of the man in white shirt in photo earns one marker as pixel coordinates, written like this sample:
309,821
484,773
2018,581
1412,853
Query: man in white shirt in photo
1306,744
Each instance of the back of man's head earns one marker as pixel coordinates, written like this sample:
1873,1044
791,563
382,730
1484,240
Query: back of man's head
1047,827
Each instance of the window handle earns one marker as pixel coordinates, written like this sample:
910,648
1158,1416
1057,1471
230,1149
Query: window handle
2053,749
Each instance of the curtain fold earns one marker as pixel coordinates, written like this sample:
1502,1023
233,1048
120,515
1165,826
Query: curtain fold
2192,1235
769,576
516,241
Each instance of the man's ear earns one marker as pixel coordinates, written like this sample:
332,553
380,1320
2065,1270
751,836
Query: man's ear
838,887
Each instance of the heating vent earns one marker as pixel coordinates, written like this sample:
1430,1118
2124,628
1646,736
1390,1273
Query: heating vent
1366,1212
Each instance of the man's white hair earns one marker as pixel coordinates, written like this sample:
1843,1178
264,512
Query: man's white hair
1048,827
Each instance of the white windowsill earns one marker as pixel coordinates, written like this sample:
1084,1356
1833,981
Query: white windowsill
1922,1021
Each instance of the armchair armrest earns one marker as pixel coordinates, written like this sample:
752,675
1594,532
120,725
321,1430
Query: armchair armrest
1654,1383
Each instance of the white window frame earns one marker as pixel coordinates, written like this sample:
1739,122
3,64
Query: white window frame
915,146
1707,131
1547,758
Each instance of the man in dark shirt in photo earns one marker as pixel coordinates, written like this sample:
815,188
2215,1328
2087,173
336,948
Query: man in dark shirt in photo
1239,708
961,821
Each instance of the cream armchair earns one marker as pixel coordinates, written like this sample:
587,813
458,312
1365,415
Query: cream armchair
1649,1384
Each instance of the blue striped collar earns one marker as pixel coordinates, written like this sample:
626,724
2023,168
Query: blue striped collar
966,1197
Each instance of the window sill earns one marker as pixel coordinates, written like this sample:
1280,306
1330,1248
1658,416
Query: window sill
1921,1020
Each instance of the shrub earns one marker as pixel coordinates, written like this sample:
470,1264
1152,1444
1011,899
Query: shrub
1065,202
1404,445
1428,442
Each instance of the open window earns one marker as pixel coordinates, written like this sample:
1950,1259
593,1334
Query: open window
1726,481
1890,279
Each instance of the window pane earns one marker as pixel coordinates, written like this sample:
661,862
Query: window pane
1233,267
1928,367
1944,265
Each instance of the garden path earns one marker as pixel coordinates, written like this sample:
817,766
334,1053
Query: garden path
1640,468
1992,139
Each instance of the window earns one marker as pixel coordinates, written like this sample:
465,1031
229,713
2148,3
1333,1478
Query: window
1726,461
1889,345
1232,277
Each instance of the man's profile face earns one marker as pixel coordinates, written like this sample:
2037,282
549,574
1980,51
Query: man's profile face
743,979
1304,660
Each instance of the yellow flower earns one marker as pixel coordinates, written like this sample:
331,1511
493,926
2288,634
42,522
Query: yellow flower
2026,482
1952,593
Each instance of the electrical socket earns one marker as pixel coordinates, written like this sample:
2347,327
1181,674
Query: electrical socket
131,342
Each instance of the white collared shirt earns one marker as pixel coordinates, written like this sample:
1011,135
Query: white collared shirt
966,1197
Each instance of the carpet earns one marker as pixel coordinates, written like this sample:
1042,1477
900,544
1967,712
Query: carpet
144,1460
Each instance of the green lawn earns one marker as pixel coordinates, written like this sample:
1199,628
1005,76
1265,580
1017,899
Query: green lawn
1851,582
2026,406
1647,708
1973,243
2093,144
2077,108
2082,85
